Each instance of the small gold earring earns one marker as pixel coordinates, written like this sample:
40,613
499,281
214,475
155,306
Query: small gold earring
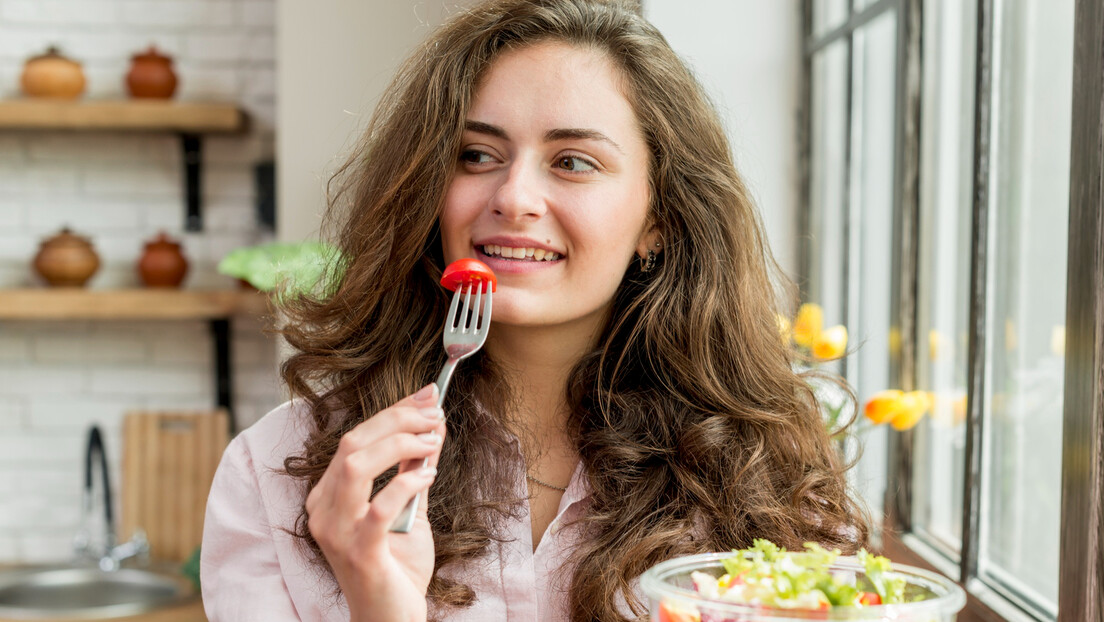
647,264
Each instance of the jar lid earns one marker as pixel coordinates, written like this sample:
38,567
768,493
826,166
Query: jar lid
52,52
162,239
66,237
152,54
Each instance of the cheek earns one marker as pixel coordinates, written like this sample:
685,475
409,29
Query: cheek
459,211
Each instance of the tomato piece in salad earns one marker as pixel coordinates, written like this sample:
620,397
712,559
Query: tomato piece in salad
669,612
467,270
869,598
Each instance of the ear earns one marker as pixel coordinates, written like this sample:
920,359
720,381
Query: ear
651,240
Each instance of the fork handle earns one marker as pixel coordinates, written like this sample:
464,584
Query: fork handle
405,521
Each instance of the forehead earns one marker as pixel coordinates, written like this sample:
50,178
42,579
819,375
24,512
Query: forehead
554,83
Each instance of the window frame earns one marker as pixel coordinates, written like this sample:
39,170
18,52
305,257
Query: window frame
1081,587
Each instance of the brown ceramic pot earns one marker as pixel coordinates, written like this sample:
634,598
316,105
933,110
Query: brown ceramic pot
66,260
162,263
151,75
52,75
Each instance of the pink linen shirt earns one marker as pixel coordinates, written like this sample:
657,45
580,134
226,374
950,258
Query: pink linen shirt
253,570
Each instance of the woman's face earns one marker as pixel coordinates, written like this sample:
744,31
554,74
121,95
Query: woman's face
551,187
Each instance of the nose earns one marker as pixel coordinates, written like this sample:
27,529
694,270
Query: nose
521,196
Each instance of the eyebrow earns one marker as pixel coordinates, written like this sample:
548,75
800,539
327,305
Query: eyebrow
549,136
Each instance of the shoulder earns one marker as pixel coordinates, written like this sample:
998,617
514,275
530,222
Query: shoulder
253,463
277,435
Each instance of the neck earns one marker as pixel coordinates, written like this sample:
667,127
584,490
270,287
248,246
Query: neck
538,361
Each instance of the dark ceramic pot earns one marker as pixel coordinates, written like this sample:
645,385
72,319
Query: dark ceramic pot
151,75
162,263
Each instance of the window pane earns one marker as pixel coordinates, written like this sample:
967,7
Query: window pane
826,178
946,205
1033,72
827,15
871,230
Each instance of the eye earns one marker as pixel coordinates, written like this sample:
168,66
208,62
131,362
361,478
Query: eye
575,164
475,156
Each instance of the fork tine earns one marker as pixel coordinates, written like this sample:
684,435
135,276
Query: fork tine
485,317
473,322
451,317
464,323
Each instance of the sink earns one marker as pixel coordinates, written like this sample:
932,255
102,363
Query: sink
89,593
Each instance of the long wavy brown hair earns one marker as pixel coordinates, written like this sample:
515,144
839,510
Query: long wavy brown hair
687,414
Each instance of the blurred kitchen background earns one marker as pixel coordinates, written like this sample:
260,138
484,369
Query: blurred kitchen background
911,160
306,94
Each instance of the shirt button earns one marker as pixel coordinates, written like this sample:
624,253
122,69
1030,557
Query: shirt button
554,528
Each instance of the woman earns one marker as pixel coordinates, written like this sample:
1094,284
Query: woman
633,401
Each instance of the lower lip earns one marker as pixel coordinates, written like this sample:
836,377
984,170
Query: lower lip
501,265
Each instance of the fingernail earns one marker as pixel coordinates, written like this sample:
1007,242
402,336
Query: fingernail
432,413
430,438
426,392
427,471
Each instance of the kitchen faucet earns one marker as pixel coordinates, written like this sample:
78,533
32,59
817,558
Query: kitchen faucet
112,556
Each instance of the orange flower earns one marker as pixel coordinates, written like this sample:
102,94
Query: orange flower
830,343
883,406
807,325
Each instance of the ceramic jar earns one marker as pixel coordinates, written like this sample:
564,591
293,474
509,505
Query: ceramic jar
66,260
52,75
162,263
151,75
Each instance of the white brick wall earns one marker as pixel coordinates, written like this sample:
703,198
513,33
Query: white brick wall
58,378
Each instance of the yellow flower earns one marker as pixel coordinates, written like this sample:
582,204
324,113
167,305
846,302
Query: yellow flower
784,328
883,406
894,341
1058,340
912,407
958,410
830,343
810,319
901,410
935,344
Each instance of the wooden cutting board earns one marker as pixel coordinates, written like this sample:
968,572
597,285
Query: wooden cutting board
169,460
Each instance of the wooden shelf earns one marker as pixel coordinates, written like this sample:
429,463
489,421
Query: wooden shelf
188,119
128,304
121,115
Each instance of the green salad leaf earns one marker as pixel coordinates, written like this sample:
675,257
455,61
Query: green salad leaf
288,268
770,575
891,588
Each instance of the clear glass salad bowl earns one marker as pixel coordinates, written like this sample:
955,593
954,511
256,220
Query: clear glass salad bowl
673,598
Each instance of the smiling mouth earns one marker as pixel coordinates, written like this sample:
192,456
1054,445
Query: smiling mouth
519,254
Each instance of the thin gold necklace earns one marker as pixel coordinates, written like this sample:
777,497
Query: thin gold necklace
545,484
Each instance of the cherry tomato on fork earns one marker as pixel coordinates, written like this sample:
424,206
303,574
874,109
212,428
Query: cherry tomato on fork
466,270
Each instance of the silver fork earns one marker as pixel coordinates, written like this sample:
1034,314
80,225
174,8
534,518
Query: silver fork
464,334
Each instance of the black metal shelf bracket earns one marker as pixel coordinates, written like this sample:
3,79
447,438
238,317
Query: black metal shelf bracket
224,384
193,157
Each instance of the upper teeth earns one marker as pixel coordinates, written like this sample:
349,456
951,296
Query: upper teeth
538,254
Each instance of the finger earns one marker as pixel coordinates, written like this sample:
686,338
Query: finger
353,482
393,417
433,458
389,421
390,502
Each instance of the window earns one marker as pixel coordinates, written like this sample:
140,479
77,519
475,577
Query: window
940,193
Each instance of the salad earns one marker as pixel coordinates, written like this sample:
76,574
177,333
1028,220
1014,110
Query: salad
768,576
